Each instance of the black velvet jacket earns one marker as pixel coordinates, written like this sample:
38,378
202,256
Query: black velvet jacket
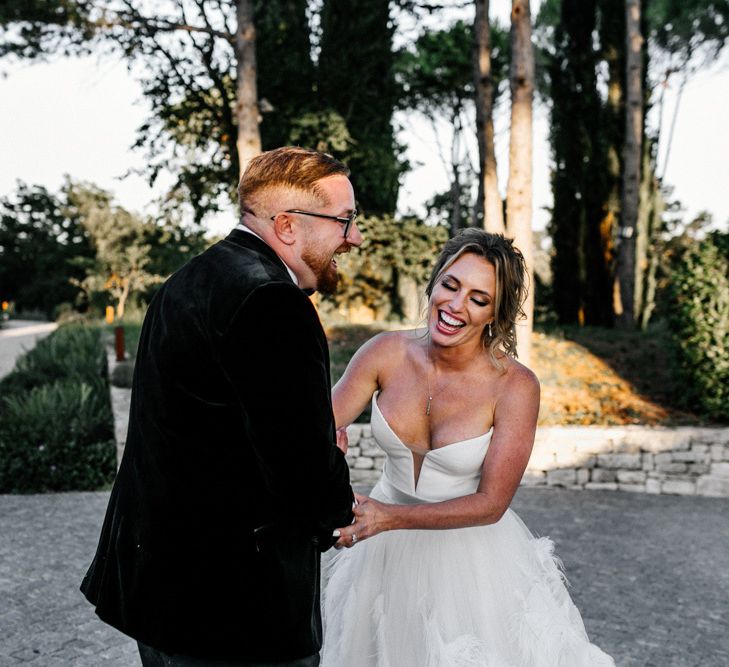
231,483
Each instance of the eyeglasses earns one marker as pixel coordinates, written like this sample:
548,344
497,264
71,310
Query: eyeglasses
346,221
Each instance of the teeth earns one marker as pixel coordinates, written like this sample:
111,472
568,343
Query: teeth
450,320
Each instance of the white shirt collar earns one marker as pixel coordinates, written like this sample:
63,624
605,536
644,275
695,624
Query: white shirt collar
245,228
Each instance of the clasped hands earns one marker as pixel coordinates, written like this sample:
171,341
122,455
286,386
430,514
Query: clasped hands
369,519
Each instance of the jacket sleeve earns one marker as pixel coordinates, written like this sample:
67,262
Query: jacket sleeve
275,355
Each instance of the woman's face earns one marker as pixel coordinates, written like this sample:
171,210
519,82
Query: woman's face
462,301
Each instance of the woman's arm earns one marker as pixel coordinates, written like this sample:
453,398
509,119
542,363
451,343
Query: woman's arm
515,420
361,378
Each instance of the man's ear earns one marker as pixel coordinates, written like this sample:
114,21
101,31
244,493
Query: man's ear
285,228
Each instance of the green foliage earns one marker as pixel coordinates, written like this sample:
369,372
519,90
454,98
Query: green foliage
41,238
435,75
394,252
56,425
581,264
286,83
699,319
682,27
71,352
356,80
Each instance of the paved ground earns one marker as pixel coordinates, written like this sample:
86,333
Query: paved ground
649,573
17,336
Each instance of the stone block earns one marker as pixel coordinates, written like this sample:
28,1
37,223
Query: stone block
720,469
663,457
712,436
691,455
629,461
679,487
667,440
652,486
674,468
364,463
353,452
717,487
534,478
698,468
562,477
541,459
583,476
379,462
647,461
369,447
717,452
354,433
601,486
631,476
364,476
632,488
602,475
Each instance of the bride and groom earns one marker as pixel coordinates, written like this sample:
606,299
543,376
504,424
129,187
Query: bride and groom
233,479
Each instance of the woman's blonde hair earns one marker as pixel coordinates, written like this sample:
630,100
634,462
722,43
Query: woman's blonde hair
511,283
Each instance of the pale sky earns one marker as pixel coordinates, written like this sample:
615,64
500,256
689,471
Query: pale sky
78,116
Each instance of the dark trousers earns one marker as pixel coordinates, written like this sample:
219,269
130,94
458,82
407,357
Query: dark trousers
153,658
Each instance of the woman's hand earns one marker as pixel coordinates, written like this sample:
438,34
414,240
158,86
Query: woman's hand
370,518
342,440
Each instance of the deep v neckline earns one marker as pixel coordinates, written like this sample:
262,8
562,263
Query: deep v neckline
428,452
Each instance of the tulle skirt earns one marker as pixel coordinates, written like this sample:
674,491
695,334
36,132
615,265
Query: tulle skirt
487,596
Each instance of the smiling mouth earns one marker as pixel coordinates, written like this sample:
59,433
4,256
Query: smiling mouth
449,323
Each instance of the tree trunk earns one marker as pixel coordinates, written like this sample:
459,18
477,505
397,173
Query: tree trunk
632,155
246,106
488,202
519,191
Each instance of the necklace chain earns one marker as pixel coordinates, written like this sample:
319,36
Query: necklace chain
428,363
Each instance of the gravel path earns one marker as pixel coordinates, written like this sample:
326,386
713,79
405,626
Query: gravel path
649,573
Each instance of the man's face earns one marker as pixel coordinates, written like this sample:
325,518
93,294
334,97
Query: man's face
323,238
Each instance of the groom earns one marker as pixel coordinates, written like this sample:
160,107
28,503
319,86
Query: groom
231,483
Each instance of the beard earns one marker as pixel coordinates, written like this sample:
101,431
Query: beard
321,266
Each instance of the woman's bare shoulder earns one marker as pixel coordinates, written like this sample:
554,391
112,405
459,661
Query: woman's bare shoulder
519,378
394,342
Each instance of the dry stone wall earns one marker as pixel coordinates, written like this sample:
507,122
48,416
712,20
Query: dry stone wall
683,460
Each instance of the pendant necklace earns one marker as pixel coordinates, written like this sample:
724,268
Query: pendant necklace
427,379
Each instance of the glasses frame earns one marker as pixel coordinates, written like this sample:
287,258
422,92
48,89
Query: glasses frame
347,222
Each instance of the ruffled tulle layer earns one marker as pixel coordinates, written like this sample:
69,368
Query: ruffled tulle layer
490,596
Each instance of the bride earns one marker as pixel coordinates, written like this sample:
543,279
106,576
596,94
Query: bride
444,573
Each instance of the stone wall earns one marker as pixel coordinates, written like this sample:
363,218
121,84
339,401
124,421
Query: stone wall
683,460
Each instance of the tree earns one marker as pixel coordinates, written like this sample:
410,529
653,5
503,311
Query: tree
122,251
356,80
582,263
519,190
632,159
198,63
488,201
40,239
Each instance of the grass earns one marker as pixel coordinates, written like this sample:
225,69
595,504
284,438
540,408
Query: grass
588,375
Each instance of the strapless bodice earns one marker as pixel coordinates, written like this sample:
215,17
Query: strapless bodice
447,472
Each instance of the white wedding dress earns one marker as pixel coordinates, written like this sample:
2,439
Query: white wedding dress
487,596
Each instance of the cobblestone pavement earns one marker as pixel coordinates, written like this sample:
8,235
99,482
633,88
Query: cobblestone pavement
649,573
16,337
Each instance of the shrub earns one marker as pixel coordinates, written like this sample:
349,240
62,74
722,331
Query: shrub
72,351
699,316
56,423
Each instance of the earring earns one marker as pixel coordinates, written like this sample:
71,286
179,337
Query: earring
490,336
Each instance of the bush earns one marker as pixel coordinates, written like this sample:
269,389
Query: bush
699,316
56,423
72,351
